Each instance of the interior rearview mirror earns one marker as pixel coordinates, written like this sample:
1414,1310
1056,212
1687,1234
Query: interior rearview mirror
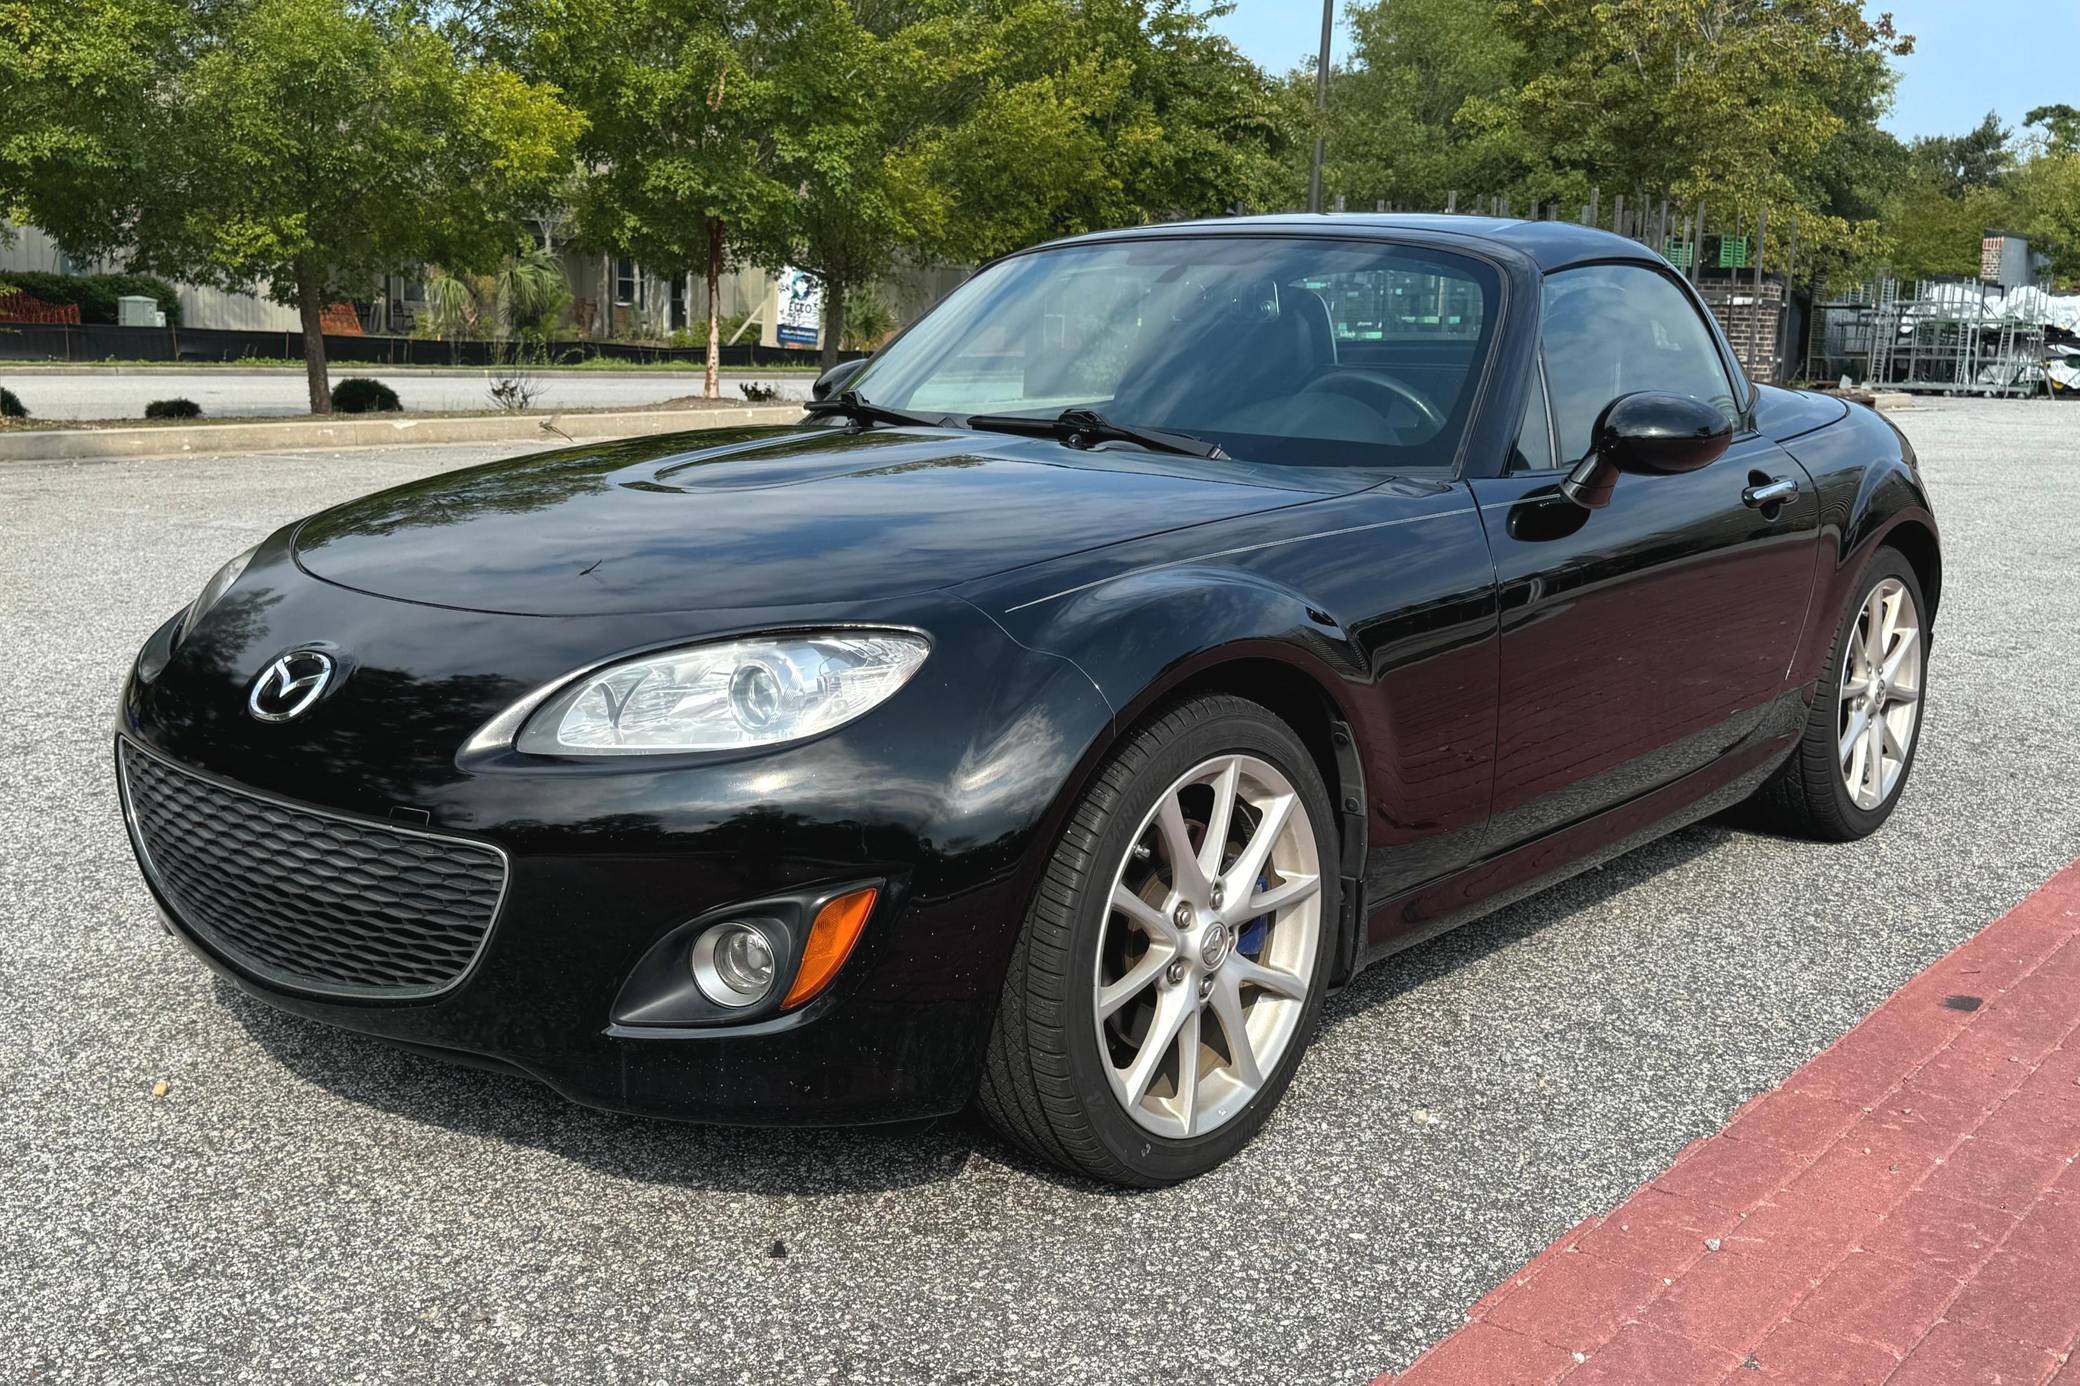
1647,434
836,378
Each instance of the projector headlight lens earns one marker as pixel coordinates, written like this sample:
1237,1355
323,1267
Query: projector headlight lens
743,693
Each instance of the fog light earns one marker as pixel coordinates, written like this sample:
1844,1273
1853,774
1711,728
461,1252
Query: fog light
733,964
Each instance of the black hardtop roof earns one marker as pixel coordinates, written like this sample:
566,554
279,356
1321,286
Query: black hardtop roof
1550,245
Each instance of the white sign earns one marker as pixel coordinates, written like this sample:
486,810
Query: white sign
797,308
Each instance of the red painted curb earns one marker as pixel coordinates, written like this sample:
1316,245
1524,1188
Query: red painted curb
1904,1209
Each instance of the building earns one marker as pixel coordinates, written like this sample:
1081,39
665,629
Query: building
610,297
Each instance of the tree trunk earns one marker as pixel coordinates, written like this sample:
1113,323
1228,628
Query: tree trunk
603,314
711,385
311,307
833,320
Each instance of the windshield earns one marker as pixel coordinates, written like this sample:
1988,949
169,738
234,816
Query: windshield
1300,351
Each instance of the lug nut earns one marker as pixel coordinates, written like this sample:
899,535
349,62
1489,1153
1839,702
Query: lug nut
1182,915
1175,973
1220,896
1206,988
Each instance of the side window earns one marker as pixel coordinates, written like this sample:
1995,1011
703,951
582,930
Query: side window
1534,450
1612,330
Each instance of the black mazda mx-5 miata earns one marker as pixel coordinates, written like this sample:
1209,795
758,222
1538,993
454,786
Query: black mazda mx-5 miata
1170,624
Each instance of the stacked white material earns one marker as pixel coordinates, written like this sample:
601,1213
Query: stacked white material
2025,305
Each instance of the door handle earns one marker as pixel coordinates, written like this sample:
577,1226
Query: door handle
1775,491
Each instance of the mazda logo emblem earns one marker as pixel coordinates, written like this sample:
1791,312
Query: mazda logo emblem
287,687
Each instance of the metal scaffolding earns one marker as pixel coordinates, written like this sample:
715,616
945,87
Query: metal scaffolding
1936,337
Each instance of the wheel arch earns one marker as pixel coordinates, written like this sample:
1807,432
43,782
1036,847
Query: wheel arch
1917,542
1301,692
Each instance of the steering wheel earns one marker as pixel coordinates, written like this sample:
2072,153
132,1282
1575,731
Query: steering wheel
1368,388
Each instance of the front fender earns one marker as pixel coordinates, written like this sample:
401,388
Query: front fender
1147,634
1382,604
1871,494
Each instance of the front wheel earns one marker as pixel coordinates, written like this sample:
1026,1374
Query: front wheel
1850,767
1173,963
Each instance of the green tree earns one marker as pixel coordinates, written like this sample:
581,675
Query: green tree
526,297
2045,188
1738,104
309,145
1056,119
858,89
2061,125
960,129
1397,130
1727,101
678,151
1930,232
1979,158
77,113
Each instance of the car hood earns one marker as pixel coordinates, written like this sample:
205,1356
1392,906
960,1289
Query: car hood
757,518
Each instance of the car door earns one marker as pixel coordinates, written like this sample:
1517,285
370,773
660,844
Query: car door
1642,640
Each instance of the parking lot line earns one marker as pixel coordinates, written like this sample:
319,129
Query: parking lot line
1904,1208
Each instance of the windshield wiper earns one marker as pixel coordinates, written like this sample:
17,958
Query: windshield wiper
1081,428
864,412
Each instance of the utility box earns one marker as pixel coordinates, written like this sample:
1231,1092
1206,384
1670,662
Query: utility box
137,310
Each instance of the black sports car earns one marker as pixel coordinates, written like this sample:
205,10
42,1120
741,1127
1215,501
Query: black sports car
1170,624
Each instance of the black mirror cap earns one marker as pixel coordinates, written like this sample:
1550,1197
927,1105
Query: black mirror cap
834,379
1647,434
1653,434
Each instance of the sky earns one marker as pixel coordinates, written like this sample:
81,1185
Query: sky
1970,56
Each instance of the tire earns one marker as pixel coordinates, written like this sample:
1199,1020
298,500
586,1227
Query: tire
1810,794
1059,1076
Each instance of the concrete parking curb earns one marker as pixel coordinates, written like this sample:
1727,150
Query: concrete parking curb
1905,1209
306,434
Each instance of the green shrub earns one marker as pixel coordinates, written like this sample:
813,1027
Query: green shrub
11,405
696,336
96,294
360,395
173,409
869,321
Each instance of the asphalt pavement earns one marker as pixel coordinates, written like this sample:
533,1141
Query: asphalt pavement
225,393
301,1205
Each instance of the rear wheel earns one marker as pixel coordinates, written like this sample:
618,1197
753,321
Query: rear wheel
1171,969
1850,767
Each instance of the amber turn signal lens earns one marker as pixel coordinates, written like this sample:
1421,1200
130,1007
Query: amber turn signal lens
831,937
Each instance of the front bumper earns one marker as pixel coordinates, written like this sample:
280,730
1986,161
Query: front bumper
947,793
537,1005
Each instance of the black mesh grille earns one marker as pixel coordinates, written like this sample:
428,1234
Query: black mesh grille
323,903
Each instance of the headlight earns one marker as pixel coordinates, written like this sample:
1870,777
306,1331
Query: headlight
758,692
213,591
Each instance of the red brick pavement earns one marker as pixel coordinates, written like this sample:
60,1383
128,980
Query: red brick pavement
1905,1209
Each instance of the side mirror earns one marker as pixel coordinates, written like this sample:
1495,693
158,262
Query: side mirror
834,380
1647,434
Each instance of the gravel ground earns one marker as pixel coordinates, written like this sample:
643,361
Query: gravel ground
225,394
301,1205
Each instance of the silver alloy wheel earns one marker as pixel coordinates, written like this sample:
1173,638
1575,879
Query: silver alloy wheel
1208,946
1880,693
